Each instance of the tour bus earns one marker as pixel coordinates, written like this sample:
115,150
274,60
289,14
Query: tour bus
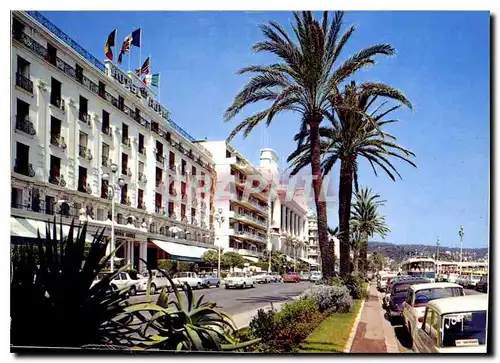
420,267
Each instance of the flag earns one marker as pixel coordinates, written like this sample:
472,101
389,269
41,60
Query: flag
136,38
110,43
125,48
155,80
144,69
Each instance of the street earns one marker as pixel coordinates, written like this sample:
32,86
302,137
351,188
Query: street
235,301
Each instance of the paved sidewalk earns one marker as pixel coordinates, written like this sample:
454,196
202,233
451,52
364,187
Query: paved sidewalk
374,334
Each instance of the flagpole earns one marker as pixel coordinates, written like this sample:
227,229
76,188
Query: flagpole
140,50
129,51
159,88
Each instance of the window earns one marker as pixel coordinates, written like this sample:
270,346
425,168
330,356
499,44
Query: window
141,167
23,67
79,73
137,114
100,214
158,202
124,131
183,167
17,28
16,198
193,170
169,137
124,196
102,89
104,189
51,53
84,109
159,178
154,126
141,143
121,103
228,153
140,198
105,155
469,326
171,188
124,163
183,189
171,160
22,159
23,110
183,211
55,92
50,204
83,138
105,123
55,129
193,213
170,209
82,179
424,296
55,169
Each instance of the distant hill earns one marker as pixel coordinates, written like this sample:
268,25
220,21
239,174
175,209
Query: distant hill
400,252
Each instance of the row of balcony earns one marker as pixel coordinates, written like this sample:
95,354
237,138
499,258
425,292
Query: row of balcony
249,218
26,84
245,251
254,236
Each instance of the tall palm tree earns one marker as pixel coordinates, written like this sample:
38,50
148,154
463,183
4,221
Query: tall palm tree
303,80
366,221
355,130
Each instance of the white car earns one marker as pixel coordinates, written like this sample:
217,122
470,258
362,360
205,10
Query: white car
315,276
159,281
276,277
453,278
239,279
262,277
418,297
191,278
454,325
121,281
382,282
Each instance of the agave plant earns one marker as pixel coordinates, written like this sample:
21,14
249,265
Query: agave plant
183,324
54,302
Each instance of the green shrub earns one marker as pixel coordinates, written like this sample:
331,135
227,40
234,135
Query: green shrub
165,265
223,274
332,298
133,274
357,286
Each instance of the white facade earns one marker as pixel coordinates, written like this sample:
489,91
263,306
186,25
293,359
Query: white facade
314,250
72,119
251,218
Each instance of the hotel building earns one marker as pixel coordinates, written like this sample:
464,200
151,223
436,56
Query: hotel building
84,132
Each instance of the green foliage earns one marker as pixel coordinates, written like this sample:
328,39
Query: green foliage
184,324
167,265
53,302
357,286
376,261
211,257
132,273
263,265
232,259
329,298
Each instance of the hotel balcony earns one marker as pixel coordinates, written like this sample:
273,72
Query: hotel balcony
24,168
57,180
250,204
245,252
250,236
24,83
84,117
248,219
23,124
85,152
59,141
126,141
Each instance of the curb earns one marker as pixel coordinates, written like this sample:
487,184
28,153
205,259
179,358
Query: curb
390,340
350,341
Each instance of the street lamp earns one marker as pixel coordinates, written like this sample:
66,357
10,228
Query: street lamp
461,234
220,219
121,183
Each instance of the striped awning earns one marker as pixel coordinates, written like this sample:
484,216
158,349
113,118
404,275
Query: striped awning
25,230
181,252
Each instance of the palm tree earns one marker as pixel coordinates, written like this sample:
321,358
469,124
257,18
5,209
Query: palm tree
366,221
356,130
303,80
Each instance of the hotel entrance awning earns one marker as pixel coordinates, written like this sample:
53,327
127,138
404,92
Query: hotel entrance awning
181,252
24,230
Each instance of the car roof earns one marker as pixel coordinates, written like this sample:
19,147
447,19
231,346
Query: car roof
433,285
407,280
458,304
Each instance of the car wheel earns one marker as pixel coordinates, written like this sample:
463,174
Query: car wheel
227,286
244,286
132,291
198,286
217,285
152,289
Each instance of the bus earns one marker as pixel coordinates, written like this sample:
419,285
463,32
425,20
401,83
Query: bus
420,267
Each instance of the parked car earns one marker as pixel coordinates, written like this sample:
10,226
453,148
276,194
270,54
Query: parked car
123,280
387,295
159,281
262,277
453,325
238,279
382,282
452,278
191,278
291,277
210,279
399,291
276,277
482,285
316,276
304,276
419,295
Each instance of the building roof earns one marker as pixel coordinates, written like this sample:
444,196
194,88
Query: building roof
459,304
435,285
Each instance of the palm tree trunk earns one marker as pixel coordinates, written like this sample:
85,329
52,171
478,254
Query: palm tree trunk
355,260
363,255
345,195
319,199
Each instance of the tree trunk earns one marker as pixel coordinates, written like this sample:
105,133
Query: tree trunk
363,255
345,195
319,199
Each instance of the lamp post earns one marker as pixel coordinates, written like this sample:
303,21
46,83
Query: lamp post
461,234
220,219
121,183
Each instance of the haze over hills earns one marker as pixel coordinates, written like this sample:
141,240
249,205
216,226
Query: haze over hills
400,252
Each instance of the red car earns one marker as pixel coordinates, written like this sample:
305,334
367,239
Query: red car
291,277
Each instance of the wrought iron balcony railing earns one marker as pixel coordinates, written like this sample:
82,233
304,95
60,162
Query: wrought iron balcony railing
106,130
59,141
24,82
57,180
25,125
24,168
160,158
84,117
58,102
106,161
142,177
126,141
85,152
142,150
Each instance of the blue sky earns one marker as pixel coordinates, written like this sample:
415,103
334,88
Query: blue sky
442,65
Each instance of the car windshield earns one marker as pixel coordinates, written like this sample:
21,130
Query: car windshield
400,288
182,274
424,296
464,329
238,274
